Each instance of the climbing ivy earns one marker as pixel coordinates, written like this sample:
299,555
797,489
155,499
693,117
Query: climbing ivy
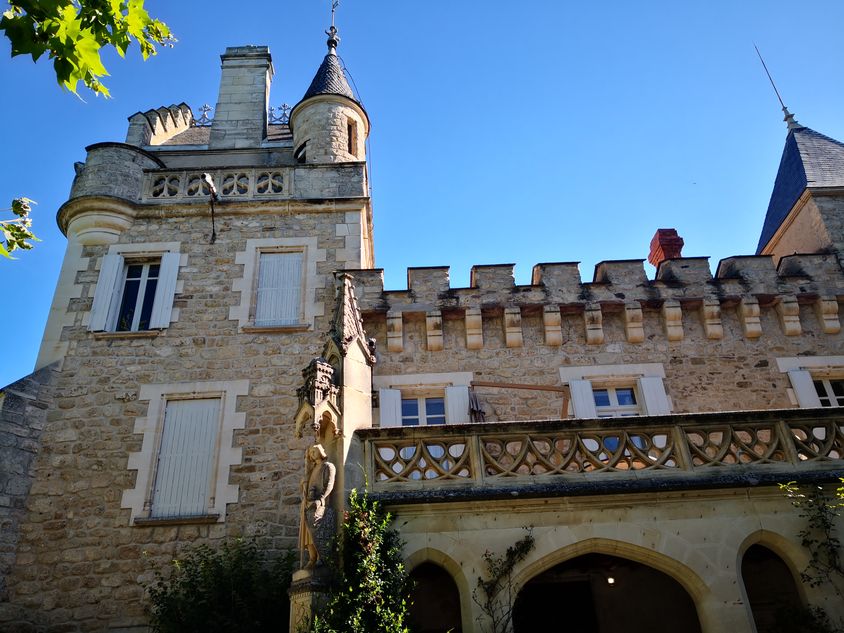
494,593
370,594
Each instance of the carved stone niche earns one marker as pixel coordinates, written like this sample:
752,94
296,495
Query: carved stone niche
319,407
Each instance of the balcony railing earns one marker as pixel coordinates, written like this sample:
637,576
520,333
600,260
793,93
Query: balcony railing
588,456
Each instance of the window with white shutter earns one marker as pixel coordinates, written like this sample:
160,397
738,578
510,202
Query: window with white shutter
278,299
135,291
605,391
423,399
816,381
183,478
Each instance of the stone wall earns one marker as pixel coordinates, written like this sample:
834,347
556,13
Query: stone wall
717,338
78,559
322,122
23,409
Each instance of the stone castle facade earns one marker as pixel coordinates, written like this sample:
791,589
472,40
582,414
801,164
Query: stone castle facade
638,427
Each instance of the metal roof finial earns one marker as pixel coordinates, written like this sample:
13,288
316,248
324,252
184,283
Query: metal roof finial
333,38
789,119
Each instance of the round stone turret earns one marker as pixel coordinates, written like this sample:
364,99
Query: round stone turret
329,124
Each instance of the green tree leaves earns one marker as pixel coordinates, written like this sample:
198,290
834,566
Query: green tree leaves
72,33
16,232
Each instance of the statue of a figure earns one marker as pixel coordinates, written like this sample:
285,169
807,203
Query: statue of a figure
317,517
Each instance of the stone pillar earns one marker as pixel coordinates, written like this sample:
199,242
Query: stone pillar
308,594
240,119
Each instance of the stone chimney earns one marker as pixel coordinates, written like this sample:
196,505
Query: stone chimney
666,244
240,118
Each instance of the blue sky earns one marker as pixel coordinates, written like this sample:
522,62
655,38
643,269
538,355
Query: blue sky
502,132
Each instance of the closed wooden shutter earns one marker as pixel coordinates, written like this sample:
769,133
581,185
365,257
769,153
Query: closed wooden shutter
804,388
653,394
107,293
165,291
186,458
457,405
279,289
582,400
390,407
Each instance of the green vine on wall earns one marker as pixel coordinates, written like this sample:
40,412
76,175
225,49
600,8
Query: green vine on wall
494,593
371,591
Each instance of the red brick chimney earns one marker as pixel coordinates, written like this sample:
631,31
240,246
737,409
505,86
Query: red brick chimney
666,244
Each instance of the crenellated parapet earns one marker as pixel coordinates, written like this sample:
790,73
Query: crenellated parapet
745,285
155,127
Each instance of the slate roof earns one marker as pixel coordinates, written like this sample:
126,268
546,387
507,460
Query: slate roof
330,80
809,159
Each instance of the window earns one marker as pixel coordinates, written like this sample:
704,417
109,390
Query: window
816,381
278,298
138,294
186,459
136,288
422,411
423,399
830,392
281,285
609,391
615,402
186,453
301,153
352,136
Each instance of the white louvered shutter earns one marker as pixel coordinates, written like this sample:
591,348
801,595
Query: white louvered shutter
165,290
652,391
107,293
582,400
390,407
457,405
186,458
804,388
279,289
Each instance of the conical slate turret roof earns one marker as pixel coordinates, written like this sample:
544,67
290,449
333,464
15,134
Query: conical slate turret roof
809,159
330,78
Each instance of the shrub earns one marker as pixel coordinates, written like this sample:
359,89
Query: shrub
235,588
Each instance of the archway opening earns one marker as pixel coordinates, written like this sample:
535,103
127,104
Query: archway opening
604,594
435,601
770,588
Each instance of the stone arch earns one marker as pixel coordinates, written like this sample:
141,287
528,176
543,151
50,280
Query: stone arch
793,555
686,577
443,560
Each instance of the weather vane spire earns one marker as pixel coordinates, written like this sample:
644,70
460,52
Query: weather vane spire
333,38
789,117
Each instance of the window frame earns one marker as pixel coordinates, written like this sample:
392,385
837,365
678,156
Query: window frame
140,499
300,309
803,371
110,289
143,288
647,380
614,409
422,409
452,387
835,401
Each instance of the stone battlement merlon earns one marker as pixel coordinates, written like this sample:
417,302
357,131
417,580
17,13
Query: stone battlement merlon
746,284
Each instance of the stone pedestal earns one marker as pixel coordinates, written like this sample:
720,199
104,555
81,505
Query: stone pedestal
308,594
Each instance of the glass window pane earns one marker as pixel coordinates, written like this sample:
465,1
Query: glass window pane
127,305
626,396
154,270
410,407
134,271
410,421
434,406
837,387
602,397
438,419
146,309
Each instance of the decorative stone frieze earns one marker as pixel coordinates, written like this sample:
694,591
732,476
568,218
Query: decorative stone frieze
474,329
593,319
633,328
395,333
551,321
789,313
672,315
513,327
434,330
748,311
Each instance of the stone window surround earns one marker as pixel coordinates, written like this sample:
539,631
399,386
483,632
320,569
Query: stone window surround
138,499
145,250
625,375
802,370
431,385
244,312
